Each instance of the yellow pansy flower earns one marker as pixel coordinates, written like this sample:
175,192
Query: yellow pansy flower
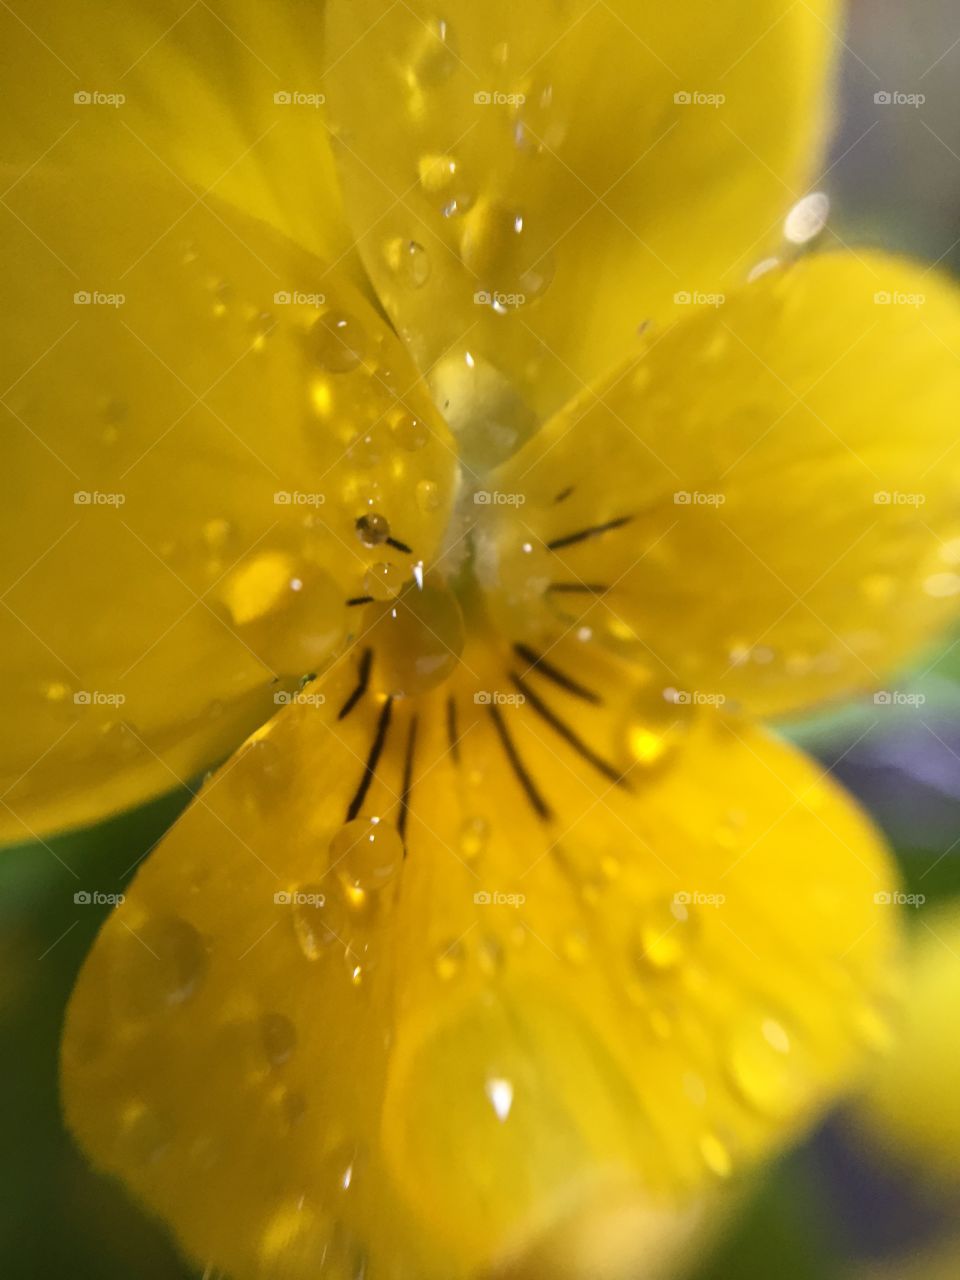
510,914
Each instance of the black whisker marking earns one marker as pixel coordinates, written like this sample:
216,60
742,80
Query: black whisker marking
540,805
573,588
539,663
363,679
573,739
564,494
370,768
452,736
407,782
399,546
358,600
592,531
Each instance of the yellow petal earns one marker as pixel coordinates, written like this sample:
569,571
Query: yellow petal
180,90
529,973
186,454
912,1112
534,182
764,500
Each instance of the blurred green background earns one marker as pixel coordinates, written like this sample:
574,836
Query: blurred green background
830,1210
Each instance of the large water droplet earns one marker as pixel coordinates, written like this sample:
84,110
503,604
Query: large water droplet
659,720
367,853
320,919
432,58
418,640
278,1037
337,342
165,961
664,935
408,260
373,529
766,1067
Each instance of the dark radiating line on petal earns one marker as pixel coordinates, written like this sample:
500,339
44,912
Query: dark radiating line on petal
354,600
452,736
545,668
366,662
572,738
407,782
399,546
592,531
564,494
578,588
519,768
370,768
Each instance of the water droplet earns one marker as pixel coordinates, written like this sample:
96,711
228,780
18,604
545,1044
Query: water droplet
659,720
165,961
418,640
410,432
497,247
436,172
942,585
372,529
576,947
474,836
278,1037
664,935
291,618
408,260
55,690
384,581
500,1093
490,956
143,1133
367,853
428,496
716,1155
766,1068
449,960
432,58
807,218
319,920
336,342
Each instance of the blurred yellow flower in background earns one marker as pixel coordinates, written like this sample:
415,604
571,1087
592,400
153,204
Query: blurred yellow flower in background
510,913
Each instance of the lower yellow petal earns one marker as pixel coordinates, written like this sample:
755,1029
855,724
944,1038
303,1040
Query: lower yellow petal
417,976
197,415
765,500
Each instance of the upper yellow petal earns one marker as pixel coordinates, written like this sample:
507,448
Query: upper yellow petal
196,414
530,972
534,182
222,96
764,502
